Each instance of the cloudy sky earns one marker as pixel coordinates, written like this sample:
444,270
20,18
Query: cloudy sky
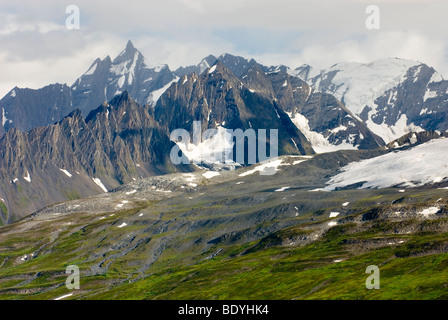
37,49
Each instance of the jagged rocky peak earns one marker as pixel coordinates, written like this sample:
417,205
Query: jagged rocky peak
257,81
203,65
219,99
126,64
206,63
128,53
121,99
238,65
117,143
115,110
305,72
93,67
127,72
130,46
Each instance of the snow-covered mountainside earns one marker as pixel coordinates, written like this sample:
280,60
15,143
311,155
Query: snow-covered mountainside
382,100
356,84
392,96
423,164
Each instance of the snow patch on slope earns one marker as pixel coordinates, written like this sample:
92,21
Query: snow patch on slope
423,164
28,177
436,77
210,174
120,82
282,189
212,69
4,119
390,133
429,94
319,143
156,94
68,174
334,214
429,211
203,66
358,85
99,184
266,167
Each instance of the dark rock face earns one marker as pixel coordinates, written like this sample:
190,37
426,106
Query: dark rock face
324,113
116,143
422,97
218,98
27,108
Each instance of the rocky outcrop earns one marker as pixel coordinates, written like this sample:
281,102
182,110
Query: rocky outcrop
117,143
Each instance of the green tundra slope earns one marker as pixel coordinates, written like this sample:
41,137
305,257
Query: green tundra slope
234,237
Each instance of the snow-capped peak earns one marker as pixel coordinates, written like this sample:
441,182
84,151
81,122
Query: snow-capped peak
125,65
129,50
359,84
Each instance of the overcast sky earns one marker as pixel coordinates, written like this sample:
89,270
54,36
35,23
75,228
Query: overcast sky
37,49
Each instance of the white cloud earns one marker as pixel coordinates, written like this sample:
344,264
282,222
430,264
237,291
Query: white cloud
37,49
64,67
195,5
401,44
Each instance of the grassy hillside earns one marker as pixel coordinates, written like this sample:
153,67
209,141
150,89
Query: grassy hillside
281,247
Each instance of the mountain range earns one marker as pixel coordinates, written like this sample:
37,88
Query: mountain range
87,180
26,109
112,125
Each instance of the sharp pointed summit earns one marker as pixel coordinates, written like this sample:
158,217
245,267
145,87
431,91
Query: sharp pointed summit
102,81
130,45
129,50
